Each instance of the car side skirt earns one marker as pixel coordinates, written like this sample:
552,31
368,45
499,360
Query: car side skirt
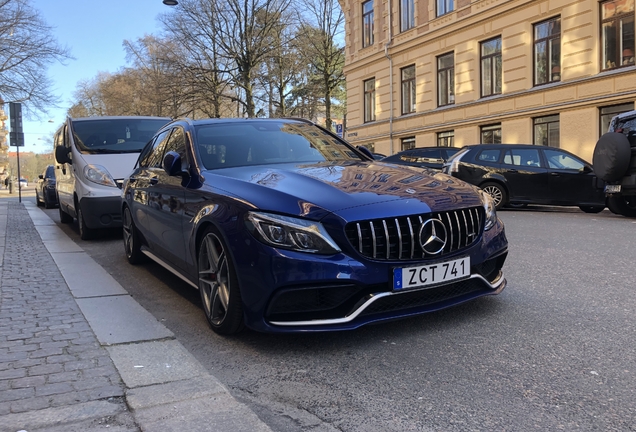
168,267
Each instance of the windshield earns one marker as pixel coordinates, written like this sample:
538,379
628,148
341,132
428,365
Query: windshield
256,142
128,135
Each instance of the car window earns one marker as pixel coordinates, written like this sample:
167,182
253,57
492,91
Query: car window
128,135
176,143
490,155
625,125
232,144
522,157
153,155
50,172
559,160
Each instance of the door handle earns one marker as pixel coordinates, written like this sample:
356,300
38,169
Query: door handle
513,171
555,174
154,180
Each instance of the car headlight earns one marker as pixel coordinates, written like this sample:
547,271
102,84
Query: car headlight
98,174
291,233
489,209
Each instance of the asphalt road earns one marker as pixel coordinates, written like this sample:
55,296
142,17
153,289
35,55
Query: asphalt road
555,351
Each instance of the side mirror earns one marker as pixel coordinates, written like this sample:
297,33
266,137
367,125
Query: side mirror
41,176
61,155
366,152
172,163
587,169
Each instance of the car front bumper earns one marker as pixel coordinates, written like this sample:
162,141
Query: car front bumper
285,291
102,212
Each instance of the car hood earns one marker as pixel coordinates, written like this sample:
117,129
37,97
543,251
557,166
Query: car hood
353,190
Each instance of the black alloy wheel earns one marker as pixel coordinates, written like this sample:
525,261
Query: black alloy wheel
86,233
497,192
132,242
218,285
623,205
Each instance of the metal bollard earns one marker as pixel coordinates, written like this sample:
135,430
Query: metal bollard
10,186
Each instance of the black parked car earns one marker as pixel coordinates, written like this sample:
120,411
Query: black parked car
520,174
45,188
424,157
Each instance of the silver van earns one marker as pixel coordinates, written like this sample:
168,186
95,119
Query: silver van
93,156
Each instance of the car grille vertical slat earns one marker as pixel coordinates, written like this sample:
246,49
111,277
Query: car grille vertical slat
408,219
386,236
398,238
375,250
399,233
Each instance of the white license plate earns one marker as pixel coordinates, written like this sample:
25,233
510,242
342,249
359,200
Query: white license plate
430,274
612,188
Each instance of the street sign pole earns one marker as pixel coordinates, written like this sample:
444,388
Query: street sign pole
16,136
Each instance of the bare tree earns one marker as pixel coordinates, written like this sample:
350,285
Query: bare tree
233,37
323,26
27,48
199,60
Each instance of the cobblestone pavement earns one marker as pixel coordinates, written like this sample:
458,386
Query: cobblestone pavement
52,368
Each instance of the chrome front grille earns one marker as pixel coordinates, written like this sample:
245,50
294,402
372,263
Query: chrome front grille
399,238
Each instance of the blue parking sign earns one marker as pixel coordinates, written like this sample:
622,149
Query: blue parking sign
339,129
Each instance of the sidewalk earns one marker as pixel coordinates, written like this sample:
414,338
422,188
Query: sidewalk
77,353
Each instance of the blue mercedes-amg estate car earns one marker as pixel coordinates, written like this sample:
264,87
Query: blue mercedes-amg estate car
282,226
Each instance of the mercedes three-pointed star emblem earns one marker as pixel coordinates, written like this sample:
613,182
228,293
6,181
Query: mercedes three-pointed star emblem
432,236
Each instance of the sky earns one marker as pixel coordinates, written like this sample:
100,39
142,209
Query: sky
94,31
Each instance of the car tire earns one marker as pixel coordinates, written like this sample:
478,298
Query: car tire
592,209
497,192
218,285
622,205
86,233
132,241
611,157
65,218
47,204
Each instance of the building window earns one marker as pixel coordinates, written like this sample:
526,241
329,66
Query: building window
446,79
367,23
546,131
444,7
407,143
617,33
547,51
491,134
407,15
369,100
408,89
610,111
445,139
491,67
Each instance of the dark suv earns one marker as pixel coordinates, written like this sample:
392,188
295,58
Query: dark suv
423,157
615,162
519,174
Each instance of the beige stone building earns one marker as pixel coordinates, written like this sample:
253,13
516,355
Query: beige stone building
457,72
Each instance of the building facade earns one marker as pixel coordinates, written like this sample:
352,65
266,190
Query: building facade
458,72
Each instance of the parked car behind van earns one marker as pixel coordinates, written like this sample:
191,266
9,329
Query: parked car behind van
45,188
93,156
